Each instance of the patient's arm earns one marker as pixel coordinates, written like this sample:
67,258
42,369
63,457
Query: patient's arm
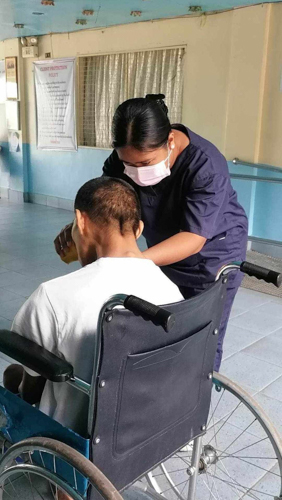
31,388
16,380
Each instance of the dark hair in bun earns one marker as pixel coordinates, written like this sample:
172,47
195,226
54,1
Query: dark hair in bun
159,98
142,123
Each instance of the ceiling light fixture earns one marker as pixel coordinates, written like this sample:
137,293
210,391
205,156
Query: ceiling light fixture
195,8
48,2
19,26
32,41
87,12
136,13
29,41
81,21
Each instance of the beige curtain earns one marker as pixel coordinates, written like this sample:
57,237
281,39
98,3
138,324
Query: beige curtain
106,81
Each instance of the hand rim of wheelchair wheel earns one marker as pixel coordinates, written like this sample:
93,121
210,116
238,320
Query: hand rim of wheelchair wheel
163,479
60,451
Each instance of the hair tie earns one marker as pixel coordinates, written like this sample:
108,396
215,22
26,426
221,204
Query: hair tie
159,99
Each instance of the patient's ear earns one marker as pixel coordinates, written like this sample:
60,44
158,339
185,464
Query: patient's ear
80,220
140,229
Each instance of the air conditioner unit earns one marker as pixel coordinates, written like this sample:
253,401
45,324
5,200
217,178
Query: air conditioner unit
31,51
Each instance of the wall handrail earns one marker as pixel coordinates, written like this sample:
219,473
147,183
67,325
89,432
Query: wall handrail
236,161
254,178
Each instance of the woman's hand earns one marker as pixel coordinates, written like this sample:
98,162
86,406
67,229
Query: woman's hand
64,240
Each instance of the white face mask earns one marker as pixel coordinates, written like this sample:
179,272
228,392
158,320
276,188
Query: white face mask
151,175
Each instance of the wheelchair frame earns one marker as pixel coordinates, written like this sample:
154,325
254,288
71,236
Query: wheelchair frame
58,370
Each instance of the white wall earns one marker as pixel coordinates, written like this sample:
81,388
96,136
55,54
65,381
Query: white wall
222,69
271,140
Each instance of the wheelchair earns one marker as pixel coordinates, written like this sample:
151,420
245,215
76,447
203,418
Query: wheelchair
160,423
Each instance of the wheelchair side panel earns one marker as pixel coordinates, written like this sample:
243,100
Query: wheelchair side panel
19,420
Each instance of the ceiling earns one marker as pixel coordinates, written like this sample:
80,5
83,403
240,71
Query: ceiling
39,19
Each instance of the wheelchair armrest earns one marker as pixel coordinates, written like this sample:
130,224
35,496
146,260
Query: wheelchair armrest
35,357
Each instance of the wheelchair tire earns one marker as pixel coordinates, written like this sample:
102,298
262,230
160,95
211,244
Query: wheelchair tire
241,453
13,471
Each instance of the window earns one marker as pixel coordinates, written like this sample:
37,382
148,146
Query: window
106,81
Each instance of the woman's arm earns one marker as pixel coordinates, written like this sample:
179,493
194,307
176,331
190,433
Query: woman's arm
178,247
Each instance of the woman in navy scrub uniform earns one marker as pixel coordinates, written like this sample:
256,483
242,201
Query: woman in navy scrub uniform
193,223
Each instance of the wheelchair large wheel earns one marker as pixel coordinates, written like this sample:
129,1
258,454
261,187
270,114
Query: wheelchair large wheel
42,469
239,456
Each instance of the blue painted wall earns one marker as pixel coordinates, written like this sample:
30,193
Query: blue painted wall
261,200
268,209
4,165
60,174
13,168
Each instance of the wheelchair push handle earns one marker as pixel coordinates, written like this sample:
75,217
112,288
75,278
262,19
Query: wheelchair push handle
156,314
261,273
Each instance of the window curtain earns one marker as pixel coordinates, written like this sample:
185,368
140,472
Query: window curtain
106,81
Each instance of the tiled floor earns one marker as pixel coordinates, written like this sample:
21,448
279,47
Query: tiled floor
252,350
253,344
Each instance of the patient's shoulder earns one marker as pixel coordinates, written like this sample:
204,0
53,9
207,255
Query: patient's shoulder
72,281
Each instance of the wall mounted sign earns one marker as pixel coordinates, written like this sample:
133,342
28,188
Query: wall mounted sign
11,78
55,104
14,137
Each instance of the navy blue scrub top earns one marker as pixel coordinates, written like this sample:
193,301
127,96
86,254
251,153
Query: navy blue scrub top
197,197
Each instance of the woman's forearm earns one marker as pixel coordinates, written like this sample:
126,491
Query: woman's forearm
178,247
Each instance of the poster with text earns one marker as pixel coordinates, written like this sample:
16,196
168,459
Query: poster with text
55,104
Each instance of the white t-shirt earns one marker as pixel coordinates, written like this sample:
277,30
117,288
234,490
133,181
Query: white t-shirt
61,315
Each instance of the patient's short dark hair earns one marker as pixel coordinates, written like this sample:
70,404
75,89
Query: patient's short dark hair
110,201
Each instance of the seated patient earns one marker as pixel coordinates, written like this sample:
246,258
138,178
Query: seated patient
61,315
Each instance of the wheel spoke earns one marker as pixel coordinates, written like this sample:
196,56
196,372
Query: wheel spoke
75,480
188,463
209,489
254,465
87,489
225,421
226,455
227,473
216,406
13,487
5,491
249,490
42,459
31,485
181,493
250,445
235,487
169,472
175,486
218,445
53,491
238,437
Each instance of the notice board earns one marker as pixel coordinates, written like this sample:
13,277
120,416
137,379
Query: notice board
55,104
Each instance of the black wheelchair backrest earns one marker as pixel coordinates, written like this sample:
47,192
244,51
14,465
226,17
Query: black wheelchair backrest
154,387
